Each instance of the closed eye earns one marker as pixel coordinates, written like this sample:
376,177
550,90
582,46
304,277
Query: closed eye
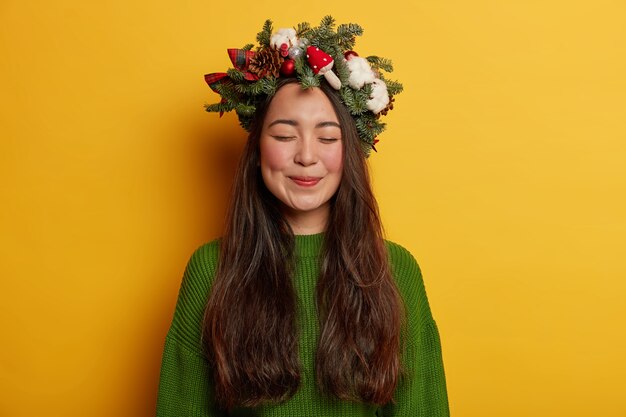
328,140
283,138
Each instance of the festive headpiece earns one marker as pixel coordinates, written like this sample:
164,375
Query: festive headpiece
308,53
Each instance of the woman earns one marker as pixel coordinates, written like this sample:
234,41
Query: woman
302,309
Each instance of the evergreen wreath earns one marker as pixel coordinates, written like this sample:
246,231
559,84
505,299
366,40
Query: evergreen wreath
308,53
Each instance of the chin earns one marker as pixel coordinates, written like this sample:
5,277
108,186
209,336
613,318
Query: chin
305,206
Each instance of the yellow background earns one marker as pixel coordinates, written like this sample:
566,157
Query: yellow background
503,170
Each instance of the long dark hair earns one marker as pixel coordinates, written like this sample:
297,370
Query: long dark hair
250,321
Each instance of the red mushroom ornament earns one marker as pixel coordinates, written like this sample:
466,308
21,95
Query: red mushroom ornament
322,63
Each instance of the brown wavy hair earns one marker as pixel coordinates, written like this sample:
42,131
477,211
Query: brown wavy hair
250,325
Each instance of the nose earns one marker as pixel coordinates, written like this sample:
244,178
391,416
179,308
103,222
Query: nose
306,153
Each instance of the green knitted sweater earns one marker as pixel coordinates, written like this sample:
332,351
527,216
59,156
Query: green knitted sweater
185,385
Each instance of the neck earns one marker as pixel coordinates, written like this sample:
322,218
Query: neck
307,223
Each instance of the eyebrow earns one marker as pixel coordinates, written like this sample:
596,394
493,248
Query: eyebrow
291,122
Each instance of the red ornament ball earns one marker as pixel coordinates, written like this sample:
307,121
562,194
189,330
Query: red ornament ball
288,67
349,54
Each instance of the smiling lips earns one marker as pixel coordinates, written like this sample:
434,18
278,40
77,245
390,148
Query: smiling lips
306,181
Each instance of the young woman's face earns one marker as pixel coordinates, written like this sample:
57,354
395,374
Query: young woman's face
302,155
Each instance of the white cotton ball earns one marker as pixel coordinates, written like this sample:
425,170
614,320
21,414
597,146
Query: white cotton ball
285,35
379,98
360,72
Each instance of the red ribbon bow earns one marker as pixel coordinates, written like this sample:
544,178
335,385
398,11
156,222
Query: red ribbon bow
240,59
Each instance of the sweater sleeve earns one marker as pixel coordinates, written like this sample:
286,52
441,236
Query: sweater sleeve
421,391
185,389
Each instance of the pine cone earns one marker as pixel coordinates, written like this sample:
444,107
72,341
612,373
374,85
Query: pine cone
266,62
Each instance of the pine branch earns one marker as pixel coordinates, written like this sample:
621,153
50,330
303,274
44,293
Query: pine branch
302,29
369,127
263,37
323,35
341,69
367,148
355,100
328,22
305,72
268,86
235,75
245,122
377,62
364,131
245,110
300,64
393,87
219,107
251,88
347,96
309,80
346,35
351,29
378,128
366,91
228,91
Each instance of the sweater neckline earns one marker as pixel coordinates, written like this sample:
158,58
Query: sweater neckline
309,245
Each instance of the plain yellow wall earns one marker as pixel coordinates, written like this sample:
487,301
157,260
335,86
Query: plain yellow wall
503,170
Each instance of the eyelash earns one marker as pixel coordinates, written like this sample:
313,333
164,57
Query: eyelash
287,138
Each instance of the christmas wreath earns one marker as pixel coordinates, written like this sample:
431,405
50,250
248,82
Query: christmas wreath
310,54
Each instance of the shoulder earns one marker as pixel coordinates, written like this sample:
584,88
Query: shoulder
193,294
408,277
200,271
203,261
402,261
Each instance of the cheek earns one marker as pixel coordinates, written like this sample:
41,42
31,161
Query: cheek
333,160
272,157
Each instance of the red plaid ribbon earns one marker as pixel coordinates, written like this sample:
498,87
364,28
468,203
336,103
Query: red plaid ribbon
240,60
